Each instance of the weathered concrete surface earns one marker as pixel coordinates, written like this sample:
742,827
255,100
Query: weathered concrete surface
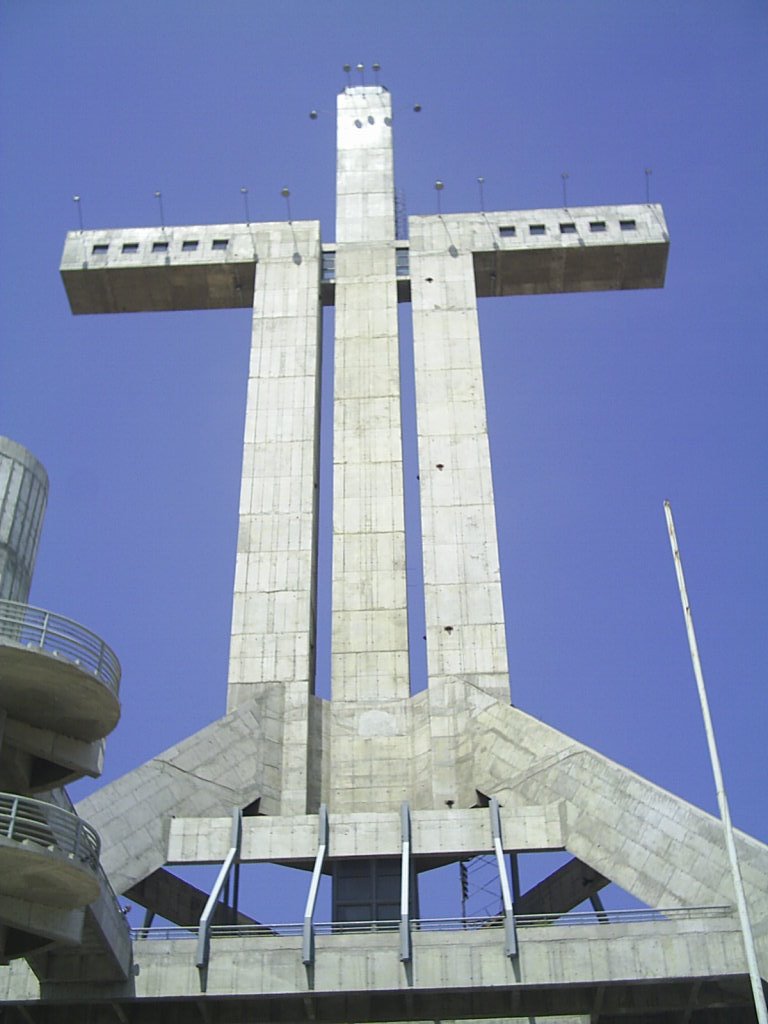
180,902
462,833
230,763
148,269
23,497
273,614
359,977
656,846
369,640
374,745
535,252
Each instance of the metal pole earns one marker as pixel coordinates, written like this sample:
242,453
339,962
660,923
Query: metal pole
510,935
405,884
741,902
308,932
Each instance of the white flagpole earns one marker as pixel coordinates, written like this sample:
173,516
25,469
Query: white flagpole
725,814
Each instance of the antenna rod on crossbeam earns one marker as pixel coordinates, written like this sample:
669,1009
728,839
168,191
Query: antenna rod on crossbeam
77,201
725,815
480,184
244,194
159,198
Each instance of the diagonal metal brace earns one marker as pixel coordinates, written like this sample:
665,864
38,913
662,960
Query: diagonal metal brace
406,951
510,933
206,919
308,934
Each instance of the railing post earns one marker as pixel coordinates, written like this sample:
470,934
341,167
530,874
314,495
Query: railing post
78,834
510,936
12,818
308,932
405,884
206,919
44,630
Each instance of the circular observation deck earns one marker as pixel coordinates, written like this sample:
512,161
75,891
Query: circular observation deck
47,854
55,674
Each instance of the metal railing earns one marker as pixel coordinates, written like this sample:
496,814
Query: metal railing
443,924
635,916
36,823
64,638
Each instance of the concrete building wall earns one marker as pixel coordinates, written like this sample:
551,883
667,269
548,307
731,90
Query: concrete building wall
369,652
464,613
273,618
23,497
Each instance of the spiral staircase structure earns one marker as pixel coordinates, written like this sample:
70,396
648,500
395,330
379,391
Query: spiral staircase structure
59,700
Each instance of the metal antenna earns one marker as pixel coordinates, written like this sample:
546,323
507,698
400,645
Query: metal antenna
286,194
347,72
159,198
480,183
376,69
565,176
439,186
76,201
648,173
244,193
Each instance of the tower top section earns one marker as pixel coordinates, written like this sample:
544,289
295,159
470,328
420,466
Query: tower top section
364,90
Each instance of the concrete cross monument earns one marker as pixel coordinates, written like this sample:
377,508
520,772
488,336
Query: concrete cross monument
380,783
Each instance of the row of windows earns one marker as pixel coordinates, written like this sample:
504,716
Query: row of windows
402,268
188,245
569,228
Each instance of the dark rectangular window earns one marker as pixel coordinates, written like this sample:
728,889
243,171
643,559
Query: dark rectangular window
220,243
402,266
328,266
130,246
189,246
597,225
567,229
159,247
628,225
508,232
538,229
100,249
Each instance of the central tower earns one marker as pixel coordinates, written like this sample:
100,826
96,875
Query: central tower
369,638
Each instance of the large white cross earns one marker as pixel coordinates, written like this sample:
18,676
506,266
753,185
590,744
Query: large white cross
357,753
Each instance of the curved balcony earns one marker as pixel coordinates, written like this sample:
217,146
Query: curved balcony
47,854
56,674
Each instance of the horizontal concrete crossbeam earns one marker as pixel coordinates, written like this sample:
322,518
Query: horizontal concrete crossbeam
462,833
635,969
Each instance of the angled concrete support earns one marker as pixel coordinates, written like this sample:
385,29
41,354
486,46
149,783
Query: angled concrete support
563,890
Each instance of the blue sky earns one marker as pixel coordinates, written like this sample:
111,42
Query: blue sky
600,406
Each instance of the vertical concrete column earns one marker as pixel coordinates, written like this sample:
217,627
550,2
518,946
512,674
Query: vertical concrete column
23,497
464,611
273,619
370,628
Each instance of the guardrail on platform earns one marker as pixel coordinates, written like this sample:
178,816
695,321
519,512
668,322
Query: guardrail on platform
26,626
442,924
35,822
